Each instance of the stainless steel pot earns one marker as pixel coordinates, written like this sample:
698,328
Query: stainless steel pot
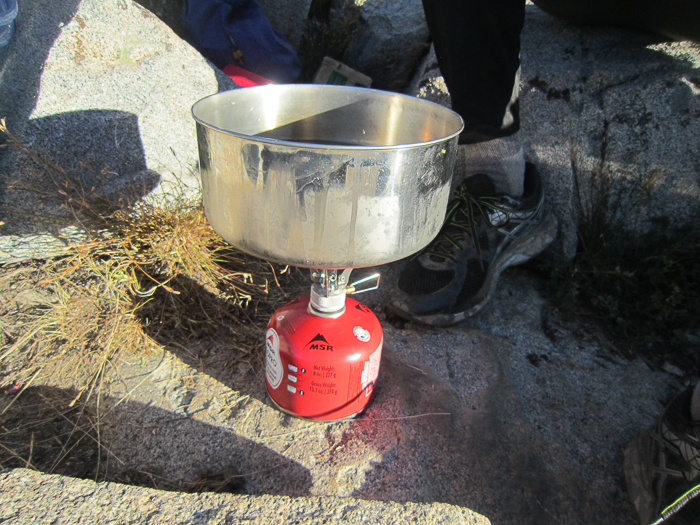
325,176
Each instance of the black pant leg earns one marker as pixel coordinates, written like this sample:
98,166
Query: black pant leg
478,48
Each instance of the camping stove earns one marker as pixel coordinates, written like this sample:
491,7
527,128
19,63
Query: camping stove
327,178
323,350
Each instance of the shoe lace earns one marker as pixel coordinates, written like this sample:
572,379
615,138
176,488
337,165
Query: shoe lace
461,221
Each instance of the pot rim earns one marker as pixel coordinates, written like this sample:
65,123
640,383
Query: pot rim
311,145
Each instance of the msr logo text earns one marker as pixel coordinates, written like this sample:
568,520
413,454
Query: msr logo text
321,346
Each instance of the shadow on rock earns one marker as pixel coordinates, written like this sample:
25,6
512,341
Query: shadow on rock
30,202
70,172
39,23
38,26
129,442
475,451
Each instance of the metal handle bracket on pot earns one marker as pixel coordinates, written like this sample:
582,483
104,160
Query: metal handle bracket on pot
352,289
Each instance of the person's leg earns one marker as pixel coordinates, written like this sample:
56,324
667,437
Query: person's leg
497,218
477,43
677,19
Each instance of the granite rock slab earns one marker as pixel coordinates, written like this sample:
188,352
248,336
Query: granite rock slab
606,100
508,415
103,88
390,43
28,496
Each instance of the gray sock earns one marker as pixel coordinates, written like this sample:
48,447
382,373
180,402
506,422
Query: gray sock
503,160
695,403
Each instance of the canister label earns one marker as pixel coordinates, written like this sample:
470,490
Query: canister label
371,370
273,363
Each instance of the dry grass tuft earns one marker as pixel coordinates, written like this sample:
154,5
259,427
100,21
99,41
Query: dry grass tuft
640,283
151,275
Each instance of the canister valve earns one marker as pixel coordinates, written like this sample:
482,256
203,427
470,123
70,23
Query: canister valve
330,287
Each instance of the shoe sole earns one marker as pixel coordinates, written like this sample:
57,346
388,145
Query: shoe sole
519,252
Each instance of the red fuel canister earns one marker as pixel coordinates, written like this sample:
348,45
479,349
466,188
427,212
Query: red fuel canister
322,367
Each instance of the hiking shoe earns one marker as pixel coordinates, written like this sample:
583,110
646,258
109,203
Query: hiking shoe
484,233
662,468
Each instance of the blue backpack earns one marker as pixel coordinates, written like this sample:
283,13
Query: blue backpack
238,32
